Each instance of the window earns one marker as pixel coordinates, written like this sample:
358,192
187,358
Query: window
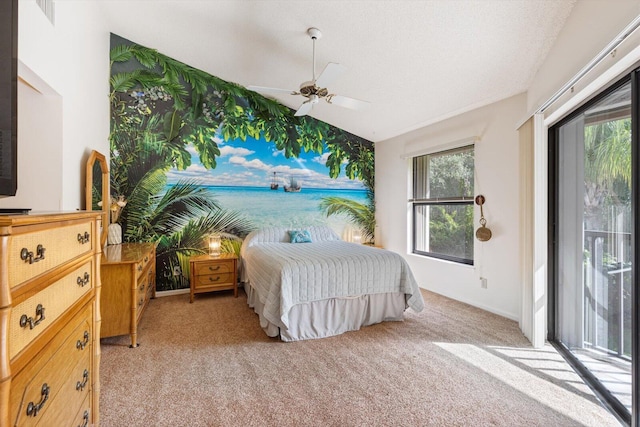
443,205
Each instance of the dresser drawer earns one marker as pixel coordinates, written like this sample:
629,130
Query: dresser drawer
214,268
49,381
71,398
147,260
33,315
57,246
83,417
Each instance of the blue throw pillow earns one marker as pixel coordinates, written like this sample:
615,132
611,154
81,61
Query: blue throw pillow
300,236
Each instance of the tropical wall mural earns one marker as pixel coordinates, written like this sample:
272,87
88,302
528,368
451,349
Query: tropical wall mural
193,154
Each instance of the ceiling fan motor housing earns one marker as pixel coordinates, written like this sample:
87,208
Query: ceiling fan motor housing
309,88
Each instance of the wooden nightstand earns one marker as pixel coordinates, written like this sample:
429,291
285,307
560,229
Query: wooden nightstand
213,273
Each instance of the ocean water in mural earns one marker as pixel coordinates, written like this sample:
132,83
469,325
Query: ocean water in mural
270,208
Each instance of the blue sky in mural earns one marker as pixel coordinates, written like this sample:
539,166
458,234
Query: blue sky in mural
251,163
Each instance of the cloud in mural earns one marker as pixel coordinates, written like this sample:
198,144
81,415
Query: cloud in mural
322,159
228,150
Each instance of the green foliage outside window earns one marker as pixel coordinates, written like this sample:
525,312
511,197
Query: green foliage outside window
441,180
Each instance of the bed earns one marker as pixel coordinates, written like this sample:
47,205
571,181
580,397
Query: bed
323,287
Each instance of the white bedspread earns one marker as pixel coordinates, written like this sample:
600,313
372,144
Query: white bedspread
286,274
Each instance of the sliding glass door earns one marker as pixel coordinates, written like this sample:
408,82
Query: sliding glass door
592,227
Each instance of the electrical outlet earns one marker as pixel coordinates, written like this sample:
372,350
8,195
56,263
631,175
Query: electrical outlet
483,282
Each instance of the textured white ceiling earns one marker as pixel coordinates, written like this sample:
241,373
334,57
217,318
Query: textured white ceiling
417,62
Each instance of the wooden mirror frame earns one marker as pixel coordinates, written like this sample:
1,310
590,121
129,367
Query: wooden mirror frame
102,161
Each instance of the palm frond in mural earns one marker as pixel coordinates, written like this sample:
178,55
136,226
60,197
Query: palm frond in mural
361,214
185,235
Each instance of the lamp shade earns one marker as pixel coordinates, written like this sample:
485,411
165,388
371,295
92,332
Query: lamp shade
214,244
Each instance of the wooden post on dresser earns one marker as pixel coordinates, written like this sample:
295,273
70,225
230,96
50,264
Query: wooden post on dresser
5,312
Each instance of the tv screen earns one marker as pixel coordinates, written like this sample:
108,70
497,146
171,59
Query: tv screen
8,97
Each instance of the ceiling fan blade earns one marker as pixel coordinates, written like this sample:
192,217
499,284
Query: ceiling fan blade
329,74
304,109
345,101
271,90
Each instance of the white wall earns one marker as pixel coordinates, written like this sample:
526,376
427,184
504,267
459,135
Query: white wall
71,59
588,30
40,153
496,163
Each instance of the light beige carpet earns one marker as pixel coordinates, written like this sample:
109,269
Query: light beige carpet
210,364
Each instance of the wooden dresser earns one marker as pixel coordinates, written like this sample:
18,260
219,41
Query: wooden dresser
128,274
49,319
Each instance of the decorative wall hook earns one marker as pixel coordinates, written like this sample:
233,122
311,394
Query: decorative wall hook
483,233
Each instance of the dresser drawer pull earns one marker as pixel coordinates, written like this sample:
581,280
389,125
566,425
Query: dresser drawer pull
84,238
27,256
142,287
216,268
33,322
146,259
80,345
140,267
85,419
211,279
34,408
85,378
141,301
83,280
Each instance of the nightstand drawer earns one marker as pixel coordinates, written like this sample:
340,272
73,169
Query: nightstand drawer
214,279
214,268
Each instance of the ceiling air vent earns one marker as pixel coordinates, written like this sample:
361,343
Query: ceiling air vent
48,7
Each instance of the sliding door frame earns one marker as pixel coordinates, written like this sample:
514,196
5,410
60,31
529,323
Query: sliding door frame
635,244
603,394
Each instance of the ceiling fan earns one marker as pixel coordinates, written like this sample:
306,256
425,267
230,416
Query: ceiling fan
316,89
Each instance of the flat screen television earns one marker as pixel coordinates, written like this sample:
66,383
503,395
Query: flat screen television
8,97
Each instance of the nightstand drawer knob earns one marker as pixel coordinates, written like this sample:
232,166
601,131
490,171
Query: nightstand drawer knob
211,279
216,268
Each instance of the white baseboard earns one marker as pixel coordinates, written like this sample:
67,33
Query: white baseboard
172,292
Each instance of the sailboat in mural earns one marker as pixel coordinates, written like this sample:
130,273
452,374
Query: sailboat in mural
274,182
293,187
